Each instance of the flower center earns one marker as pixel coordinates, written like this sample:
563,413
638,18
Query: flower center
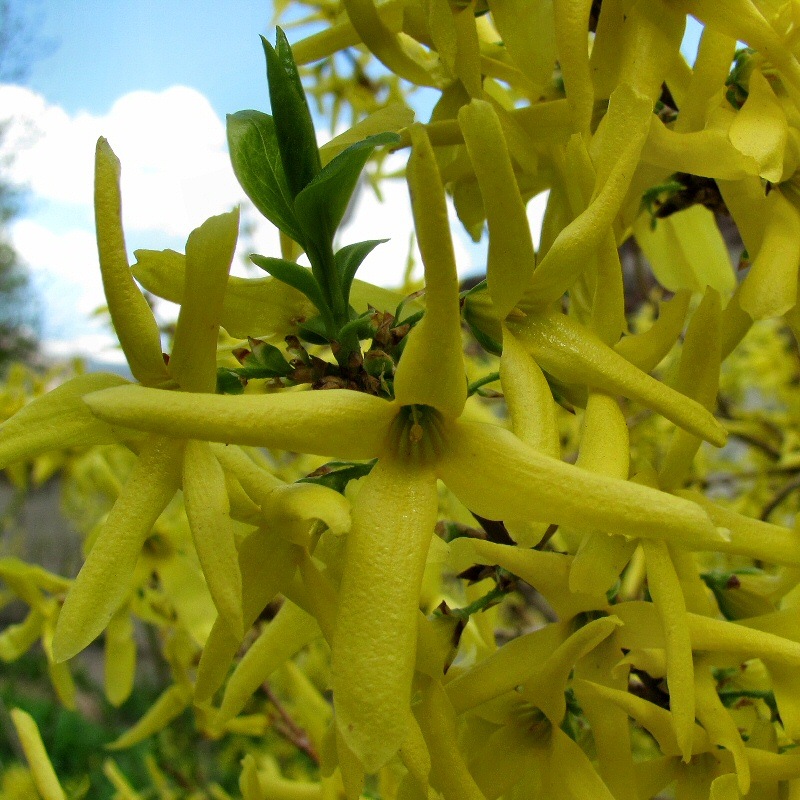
417,434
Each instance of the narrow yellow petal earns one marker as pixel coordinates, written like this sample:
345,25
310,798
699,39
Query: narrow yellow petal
431,369
760,129
711,68
609,724
496,475
746,536
437,720
392,51
511,257
289,632
44,775
686,250
104,579
506,668
17,639
209,252
646,350
655,719
332,423
528,34
708,153
665,589
59,420
547,572
393,117
208,509
572,41
698,378
133,320
529,399
170,704
545,688
719,724
574,355
119,657
576,243
374,644
572,772
770,288
266,561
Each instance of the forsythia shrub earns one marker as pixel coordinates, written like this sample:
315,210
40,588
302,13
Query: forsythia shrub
535,583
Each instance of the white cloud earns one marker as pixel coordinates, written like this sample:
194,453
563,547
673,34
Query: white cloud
175,168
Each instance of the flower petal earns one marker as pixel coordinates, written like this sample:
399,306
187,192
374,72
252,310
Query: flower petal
119,657
574,355
436,717
208,510
770,288
646,350
547,572
209,252
290,631
698,378
496,475
169,704
332,423
665,589
511,258
431,370
266,561
104,579
374,644
59,420
134,324
44,775
506,668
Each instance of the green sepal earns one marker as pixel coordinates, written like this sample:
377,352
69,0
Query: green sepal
483,339
296,276
337,474
228,381
349,259
320,206
293,124
256,159
264,361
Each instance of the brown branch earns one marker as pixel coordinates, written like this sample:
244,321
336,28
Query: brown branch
781,495
288,728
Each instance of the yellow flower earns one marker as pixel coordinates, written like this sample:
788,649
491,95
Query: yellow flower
165,464
419,437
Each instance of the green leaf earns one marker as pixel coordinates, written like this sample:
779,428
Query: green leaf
294,275
314,331
321,205
350,258
256,160
293,125
337,474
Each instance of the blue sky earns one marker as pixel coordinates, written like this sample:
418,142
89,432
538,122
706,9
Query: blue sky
155,78
106,48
